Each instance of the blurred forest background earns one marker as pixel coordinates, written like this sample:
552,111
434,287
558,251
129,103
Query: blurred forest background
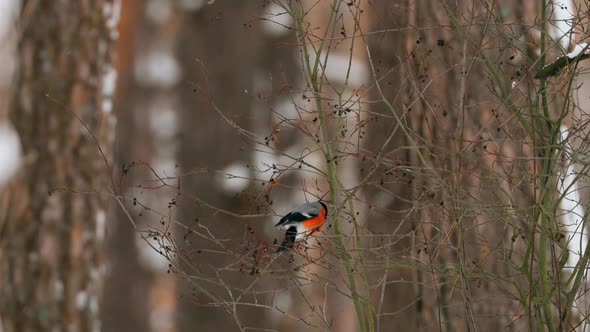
148,147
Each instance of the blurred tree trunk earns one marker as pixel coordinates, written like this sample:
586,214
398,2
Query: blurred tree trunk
124,308
143,295
434,83
51,240
219,50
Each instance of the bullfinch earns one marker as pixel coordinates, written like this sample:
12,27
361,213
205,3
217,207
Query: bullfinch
304,221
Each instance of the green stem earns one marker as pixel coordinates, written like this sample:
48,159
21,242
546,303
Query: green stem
544,218
315,78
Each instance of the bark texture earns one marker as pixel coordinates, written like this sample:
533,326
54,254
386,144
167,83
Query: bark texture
53,217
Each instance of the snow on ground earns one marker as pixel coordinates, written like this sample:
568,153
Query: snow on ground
573,212
10,153
157,67
234,178
337,69
8,14
150,257
101,222
191,5
570,205
158,11
578,49
276,21
561,22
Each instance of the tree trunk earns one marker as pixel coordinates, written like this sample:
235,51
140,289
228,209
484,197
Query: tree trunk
51,237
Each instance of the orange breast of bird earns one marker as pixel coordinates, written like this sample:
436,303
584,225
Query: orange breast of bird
315,223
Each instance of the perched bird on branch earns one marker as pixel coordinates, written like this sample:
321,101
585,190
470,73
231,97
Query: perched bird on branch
304,221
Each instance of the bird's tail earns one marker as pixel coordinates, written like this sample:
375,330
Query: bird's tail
289,239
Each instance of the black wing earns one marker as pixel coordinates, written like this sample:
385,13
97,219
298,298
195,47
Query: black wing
295,217
289,239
